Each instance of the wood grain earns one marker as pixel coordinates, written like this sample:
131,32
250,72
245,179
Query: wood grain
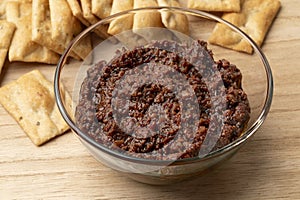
267,167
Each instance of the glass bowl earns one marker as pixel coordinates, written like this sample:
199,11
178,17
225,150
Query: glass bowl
257,82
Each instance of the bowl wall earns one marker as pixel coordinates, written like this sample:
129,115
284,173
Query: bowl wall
257,83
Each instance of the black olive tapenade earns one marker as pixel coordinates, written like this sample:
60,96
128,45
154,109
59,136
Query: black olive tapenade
94,112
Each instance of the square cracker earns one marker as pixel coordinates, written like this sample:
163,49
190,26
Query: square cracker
122,23
101,8
2,8
22,47
64,26
86,6
178,22
7,30
215,5
77,11
147,18
30,100
254,19
42,30
144,20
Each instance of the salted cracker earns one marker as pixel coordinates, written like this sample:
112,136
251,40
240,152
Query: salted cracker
77,11
42,29
41,26
86,6
2,9
122,23
30,100
65,26
255,19
7,30
101,8
215,5
22,47
174,21
146,18
3,6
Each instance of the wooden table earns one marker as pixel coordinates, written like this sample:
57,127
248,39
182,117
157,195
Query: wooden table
267,167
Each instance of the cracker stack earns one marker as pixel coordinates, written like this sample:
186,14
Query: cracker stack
40,30
22,47
43,28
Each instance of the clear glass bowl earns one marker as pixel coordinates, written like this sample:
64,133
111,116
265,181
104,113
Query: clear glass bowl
257,83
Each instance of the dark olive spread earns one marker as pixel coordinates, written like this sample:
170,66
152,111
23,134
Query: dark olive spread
154,113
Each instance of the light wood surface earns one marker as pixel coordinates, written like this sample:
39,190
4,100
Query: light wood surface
267,167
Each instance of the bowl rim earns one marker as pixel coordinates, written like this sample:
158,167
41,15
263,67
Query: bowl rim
238,142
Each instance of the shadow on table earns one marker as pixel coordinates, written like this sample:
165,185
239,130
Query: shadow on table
237,177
